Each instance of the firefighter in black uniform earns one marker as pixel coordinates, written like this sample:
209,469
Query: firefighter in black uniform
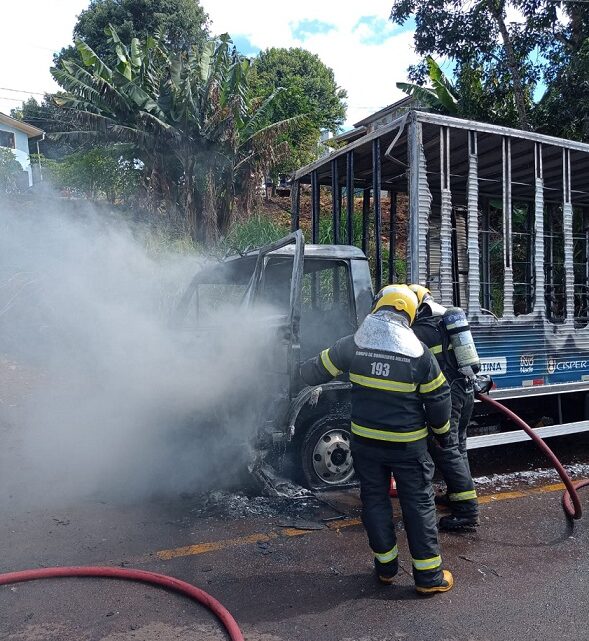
399,395
452,461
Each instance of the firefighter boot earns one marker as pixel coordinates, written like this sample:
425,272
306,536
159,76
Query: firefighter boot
386,572
445,585
458,523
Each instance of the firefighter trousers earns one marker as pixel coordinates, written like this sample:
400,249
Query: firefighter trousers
413,470
452,459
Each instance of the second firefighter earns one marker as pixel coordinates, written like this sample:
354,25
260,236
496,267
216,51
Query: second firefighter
451,461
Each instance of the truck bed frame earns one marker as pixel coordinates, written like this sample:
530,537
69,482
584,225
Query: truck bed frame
498,224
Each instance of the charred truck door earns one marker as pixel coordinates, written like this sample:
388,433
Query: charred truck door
336,295
275,296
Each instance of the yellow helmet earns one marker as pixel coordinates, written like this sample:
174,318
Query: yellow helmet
398,298
421,292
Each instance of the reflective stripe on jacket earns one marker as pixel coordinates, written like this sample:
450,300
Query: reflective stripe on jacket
395,398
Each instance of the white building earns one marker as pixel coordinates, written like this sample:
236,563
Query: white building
15,135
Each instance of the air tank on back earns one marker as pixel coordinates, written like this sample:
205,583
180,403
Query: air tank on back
461,341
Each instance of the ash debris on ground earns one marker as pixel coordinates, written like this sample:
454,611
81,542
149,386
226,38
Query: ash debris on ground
237,505
530,477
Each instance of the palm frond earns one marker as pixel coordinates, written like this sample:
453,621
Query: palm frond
91,59
187,115
424,95
260,115
273,129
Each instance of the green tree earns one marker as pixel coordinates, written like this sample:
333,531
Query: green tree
564,108
101,173
310,90
465,97
441,96
11,172
200,135
182,23
477,35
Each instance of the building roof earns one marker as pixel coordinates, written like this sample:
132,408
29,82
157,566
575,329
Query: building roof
361,127
32,132
404,102
348,136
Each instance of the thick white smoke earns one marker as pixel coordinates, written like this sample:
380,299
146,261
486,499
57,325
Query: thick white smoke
120,402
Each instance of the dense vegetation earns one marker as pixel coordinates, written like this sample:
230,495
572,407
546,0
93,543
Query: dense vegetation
155,112
310,92
515,62
158,114
182,24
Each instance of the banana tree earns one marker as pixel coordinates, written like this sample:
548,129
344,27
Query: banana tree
191,117
442,95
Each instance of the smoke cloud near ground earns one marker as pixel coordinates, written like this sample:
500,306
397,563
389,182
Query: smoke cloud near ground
123,404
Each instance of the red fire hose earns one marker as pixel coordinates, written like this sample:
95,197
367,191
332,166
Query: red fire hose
570,498
160,580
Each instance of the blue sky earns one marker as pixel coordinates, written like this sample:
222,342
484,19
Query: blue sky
306,28
367,52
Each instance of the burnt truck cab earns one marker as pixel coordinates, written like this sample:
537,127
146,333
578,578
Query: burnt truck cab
305,298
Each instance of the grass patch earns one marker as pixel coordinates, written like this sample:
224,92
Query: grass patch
261,229
254,232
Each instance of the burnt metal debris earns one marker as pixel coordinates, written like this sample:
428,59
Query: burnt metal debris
275,485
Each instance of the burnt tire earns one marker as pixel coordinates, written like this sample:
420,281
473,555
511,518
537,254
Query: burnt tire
326,455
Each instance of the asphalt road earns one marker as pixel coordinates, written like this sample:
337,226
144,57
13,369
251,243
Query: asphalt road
523,576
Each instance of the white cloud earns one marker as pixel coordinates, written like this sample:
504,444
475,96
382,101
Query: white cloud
367,58
367,71
33,30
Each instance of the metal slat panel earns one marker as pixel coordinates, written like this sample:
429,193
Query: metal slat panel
539,303
474,276
461,242
476,442
420,204
446,220
567,222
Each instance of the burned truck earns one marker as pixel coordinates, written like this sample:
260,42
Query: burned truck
497,223
306,297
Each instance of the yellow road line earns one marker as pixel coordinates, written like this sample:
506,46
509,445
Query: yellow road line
554,487
214,546
202,548
519,494
501,496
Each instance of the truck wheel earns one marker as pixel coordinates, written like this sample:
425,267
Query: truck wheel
326,454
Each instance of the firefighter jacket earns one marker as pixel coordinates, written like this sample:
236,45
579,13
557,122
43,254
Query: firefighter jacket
430,332
395,397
